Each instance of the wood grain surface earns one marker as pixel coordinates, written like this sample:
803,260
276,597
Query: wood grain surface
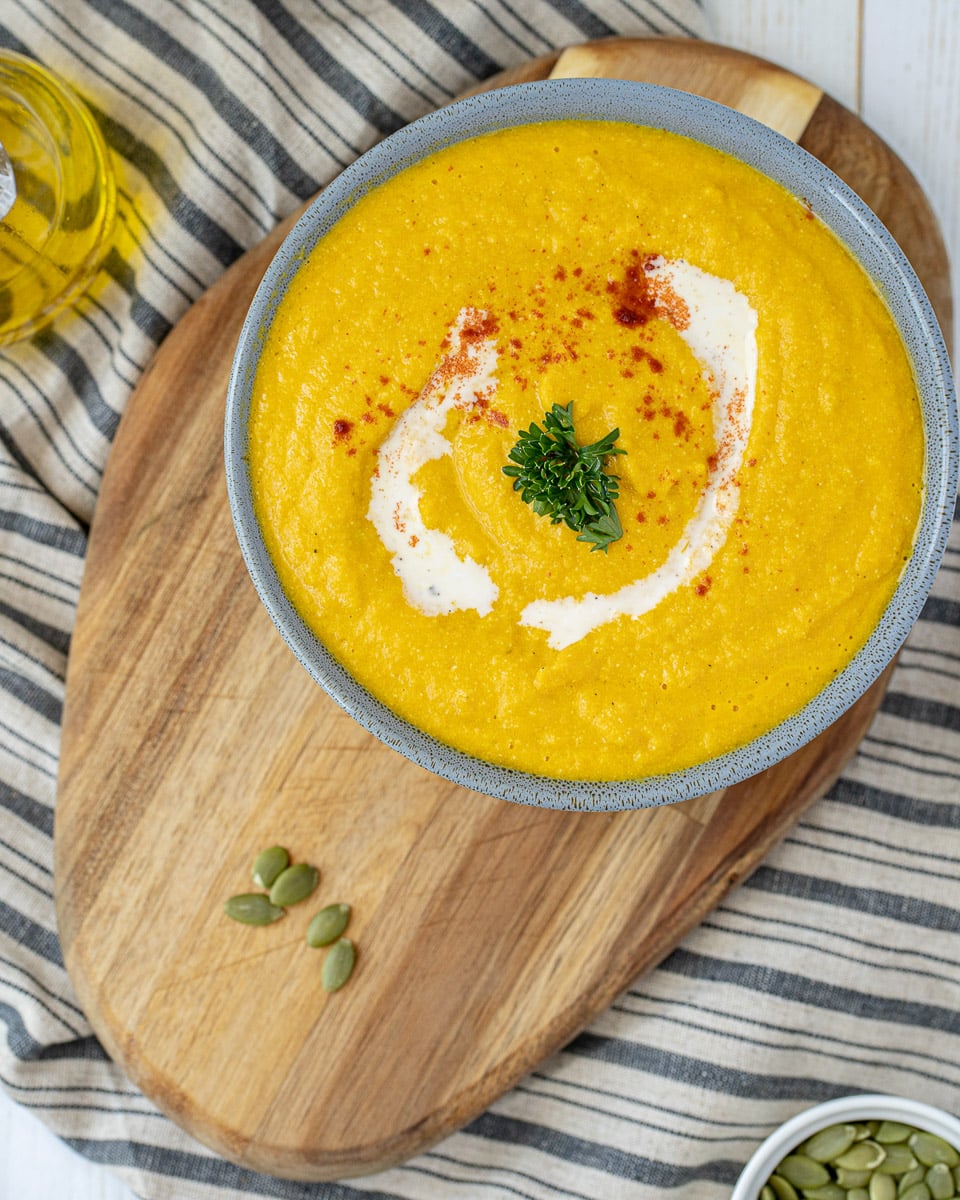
488,934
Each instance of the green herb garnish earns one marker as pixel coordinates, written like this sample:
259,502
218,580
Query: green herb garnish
565,481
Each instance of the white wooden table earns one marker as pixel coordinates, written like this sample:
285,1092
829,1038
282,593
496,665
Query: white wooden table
896,65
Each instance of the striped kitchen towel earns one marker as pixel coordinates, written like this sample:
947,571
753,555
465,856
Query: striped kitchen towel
835,968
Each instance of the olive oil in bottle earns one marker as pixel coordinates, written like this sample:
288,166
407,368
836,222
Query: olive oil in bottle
57,196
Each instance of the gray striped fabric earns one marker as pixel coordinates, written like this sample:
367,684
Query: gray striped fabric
834,969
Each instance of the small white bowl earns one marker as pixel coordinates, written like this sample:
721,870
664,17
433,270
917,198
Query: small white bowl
848,1108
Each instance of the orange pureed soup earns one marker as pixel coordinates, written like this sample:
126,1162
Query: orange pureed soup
769,492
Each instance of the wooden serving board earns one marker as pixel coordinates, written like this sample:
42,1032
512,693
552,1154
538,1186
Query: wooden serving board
488,933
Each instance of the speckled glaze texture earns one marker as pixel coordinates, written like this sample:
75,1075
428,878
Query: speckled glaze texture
834,203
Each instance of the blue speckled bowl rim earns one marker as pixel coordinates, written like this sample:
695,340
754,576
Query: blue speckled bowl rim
803,175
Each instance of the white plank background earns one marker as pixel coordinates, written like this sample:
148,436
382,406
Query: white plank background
898,66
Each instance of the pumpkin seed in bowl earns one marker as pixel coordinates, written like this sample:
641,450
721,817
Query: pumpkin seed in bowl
858,1148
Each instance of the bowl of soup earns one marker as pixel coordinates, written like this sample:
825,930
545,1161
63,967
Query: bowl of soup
724,406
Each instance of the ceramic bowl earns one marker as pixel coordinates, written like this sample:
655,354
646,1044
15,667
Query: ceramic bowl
833,202
848,1109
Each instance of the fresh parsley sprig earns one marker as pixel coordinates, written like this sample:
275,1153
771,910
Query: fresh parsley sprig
565,481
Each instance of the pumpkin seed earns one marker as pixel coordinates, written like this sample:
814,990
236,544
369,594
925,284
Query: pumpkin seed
803,1172
829,1191
919,1191
864,1156
252,908
858,1194
956,1176
328,925
268,864
883,1187
294,884
892,1131
931,1149
939,1179
767,1193
338,964
853,1179
782,1189
829,1143
909,1179
898,1161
